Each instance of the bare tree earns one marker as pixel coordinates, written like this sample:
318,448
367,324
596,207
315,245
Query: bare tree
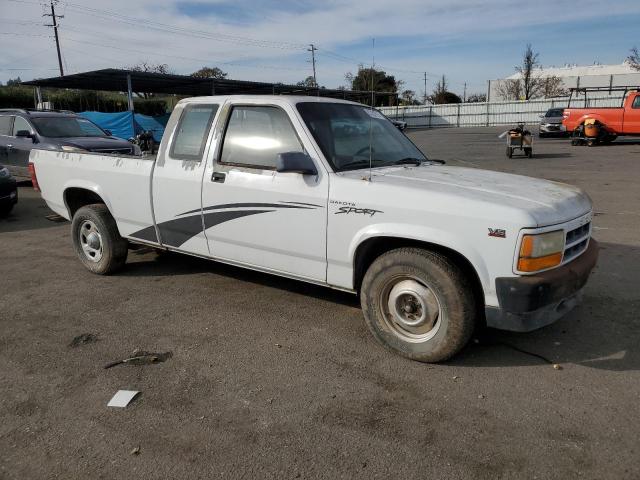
634,58
552,86
148,67
530,81
510,89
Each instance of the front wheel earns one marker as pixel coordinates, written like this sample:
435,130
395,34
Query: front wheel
419,304
97,241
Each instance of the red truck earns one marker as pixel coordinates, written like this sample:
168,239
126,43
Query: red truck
623,120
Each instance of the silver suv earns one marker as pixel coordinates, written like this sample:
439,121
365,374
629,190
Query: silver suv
551,123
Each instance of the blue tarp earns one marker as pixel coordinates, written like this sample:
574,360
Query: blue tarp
127,124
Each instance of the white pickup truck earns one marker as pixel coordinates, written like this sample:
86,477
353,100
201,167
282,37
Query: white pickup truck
330,192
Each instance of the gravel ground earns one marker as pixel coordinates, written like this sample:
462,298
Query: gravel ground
272,378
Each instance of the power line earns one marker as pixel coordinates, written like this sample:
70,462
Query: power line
54,19
165,28
181,57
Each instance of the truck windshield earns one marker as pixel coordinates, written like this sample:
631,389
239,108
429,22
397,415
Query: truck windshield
59,127
347,133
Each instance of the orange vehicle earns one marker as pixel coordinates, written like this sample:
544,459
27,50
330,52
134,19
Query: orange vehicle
614,121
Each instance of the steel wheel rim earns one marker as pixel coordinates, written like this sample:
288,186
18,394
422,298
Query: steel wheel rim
90,241
410,309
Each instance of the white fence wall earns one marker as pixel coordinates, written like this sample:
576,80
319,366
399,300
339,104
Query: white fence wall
493,113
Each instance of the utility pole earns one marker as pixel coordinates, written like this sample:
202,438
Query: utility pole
313,61
425,88
54,18
464,95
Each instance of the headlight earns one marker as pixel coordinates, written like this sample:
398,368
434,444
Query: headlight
69,148
541,251
4,172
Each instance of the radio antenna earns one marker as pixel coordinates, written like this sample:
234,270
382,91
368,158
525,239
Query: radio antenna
373,65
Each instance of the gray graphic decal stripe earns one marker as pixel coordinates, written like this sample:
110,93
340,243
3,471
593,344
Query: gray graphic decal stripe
302,203
242,205
148,234
179,230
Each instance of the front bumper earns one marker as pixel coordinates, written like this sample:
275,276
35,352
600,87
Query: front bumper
552,128
531,302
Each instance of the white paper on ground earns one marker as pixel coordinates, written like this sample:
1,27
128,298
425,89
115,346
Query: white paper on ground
122,398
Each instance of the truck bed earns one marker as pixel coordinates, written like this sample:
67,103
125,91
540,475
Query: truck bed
103,174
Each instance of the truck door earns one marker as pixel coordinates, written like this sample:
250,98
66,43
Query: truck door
19,148
631,120
177,178
254,215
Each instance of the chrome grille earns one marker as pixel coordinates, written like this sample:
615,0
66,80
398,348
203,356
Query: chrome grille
576,241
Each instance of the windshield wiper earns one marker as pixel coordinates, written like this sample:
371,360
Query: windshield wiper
407,161
357,163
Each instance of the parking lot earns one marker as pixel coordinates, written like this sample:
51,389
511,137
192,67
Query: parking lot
272,378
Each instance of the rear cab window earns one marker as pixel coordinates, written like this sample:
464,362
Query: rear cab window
636,102
192,131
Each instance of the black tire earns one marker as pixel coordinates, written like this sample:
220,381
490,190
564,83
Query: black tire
528,152
5,210
109,248
542,135
509,152
446,333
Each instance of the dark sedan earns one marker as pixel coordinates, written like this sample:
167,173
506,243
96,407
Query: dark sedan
8,192
22,130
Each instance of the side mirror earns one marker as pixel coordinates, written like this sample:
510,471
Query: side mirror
25,134
109,133
298,162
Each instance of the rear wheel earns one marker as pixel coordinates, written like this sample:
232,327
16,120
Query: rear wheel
97,241
509,152
419,304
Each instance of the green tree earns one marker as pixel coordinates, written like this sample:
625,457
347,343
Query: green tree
210,72
307,82
477,98
370,79
12,82
441,93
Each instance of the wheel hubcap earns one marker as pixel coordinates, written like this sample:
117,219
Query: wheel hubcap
91,241
412,310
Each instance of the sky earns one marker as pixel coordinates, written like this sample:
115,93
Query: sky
468,41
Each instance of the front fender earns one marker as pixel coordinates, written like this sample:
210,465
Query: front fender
425,234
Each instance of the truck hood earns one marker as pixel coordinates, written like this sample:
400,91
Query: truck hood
548,202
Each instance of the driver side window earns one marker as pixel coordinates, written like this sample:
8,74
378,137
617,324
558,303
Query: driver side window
255,136
20,124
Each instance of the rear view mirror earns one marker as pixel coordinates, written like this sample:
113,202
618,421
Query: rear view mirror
298,162
25,134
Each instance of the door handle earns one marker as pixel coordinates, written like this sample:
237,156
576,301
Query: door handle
9,146
218,177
